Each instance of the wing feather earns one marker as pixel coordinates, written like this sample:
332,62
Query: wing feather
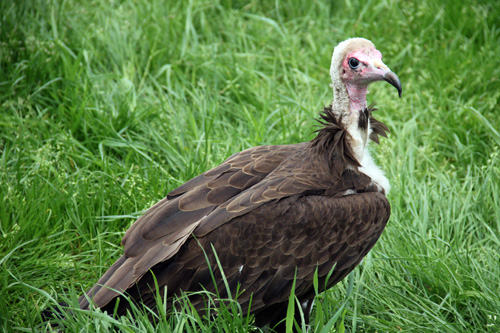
264,249
267,187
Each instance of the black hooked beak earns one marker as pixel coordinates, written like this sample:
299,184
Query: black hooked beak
393,79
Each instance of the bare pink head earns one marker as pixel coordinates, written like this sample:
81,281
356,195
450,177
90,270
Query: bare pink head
355,64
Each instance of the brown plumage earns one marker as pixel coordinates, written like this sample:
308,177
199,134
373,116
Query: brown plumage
268,211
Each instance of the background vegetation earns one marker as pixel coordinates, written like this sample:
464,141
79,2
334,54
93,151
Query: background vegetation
106,106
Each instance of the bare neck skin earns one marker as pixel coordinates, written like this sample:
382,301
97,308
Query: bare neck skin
357,96
349,96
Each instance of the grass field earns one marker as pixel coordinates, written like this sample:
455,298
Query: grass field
106,106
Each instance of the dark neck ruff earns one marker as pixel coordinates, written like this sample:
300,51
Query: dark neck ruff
332,138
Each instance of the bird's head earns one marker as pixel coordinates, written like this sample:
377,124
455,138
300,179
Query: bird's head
355,64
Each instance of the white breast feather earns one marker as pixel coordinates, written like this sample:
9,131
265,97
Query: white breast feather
369,168
359,143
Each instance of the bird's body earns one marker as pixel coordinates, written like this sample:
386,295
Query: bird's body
271,213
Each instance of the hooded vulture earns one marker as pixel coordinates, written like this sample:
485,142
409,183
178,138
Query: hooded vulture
271,213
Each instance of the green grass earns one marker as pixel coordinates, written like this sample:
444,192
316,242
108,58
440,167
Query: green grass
106,106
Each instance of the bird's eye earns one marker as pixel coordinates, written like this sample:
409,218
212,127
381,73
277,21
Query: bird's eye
353,63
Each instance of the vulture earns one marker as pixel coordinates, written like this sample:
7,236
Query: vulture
268,215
